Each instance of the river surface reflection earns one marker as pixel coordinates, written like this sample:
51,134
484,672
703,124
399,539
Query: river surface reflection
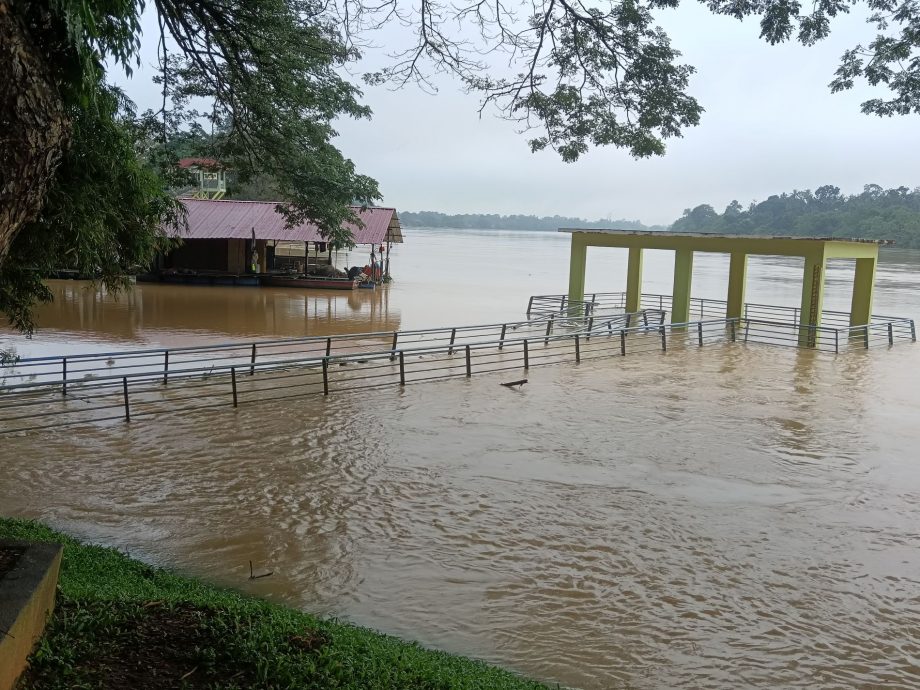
725,517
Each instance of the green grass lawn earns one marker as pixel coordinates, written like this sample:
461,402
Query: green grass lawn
122,624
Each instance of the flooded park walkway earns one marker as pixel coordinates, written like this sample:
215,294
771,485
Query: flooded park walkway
703,517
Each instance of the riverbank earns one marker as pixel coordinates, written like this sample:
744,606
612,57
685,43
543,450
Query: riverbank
121,623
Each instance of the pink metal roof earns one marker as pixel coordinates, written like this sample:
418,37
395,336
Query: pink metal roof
236,220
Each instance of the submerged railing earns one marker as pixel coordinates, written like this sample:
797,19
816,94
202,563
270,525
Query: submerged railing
834,335
48,392
139,393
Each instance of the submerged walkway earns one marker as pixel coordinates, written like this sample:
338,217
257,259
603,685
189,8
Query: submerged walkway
48,392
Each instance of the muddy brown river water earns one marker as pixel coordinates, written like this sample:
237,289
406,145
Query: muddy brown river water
726,517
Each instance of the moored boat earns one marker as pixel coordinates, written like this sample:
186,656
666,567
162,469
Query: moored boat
315,283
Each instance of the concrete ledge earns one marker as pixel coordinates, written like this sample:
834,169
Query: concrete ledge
26,601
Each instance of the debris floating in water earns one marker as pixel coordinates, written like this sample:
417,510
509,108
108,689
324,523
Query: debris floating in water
511,384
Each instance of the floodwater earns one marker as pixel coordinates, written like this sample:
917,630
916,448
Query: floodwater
725,517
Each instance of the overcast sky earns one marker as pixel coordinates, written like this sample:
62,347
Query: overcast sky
771,125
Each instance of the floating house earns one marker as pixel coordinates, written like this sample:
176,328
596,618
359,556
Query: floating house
250,243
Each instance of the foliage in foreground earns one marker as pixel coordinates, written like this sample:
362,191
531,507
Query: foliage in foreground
112,608
876,213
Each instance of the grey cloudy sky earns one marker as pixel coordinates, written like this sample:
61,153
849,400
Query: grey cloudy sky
771,125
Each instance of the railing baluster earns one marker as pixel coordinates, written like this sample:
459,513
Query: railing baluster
526,355
699,333
233,381
328,346
393,347
165,367
64,377
577,350
501,341
124,382
664,342
623,343
469,365
252,361
325,376
453,337
549,329
890,333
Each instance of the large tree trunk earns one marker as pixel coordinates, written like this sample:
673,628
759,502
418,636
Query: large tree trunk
34,128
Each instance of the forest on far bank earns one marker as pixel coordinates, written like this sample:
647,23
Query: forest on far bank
875,213
495,221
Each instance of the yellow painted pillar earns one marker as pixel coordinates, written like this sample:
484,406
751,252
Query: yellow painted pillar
634,280
863,284
577,256
812,298
683,280
737,279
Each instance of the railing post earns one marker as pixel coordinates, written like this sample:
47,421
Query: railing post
549,329
644,317
913,331
453,337
252,361
402,369
393,348
577,350
702,308
623,343
590,328
233,381
890,333
469,365
664,342
165,367
526,355
328,346
699,333
660,302
732,324
124,384
64,377
866,335
529,305
325,376
501,341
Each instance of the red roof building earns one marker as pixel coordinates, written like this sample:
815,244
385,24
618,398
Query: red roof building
240,219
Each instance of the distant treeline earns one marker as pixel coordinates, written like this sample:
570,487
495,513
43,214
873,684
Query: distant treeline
876,213
494,221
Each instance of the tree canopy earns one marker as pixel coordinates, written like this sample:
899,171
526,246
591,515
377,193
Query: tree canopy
572,73
876,213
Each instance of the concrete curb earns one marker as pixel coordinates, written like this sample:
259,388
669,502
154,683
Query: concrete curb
26,602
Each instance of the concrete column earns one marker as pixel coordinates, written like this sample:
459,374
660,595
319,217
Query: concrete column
634,280
737,279
577,256
812,298
683,279
863,284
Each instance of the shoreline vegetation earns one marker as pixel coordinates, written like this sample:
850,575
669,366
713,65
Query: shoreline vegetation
121,623
875,213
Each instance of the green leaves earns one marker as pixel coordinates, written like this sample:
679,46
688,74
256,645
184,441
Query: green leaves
102,215
615,84
270,69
